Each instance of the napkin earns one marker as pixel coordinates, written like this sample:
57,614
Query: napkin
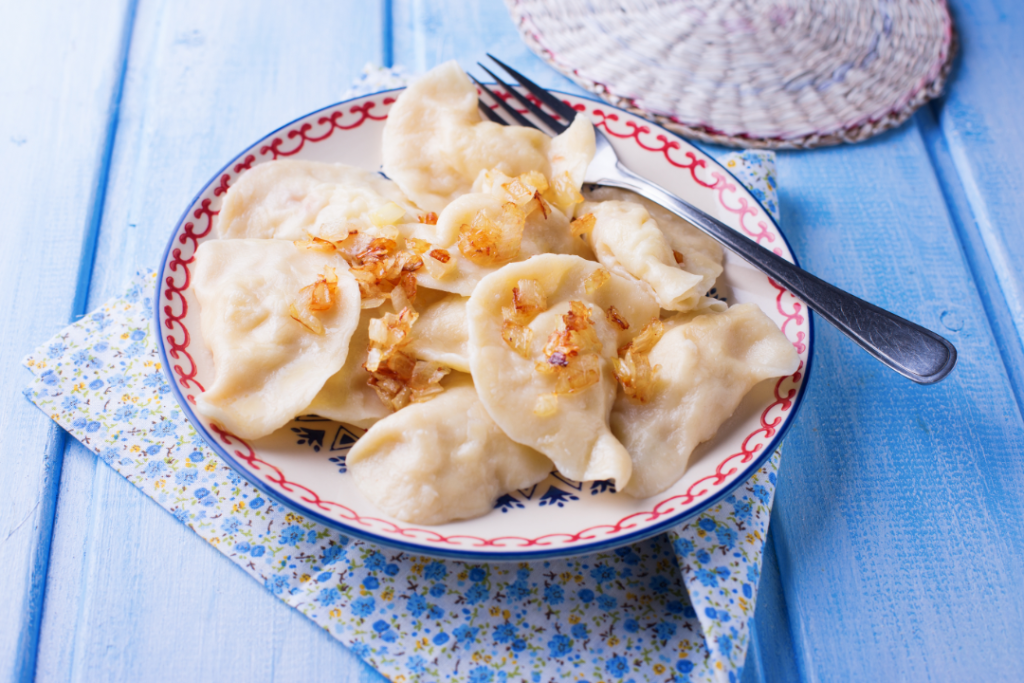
678,605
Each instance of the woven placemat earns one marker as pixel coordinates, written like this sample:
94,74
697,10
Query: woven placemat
782,75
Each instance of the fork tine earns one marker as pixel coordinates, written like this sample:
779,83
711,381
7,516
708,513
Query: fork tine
490,113
556,105
519,118
537,111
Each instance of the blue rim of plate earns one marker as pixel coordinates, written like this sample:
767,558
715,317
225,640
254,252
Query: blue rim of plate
471,555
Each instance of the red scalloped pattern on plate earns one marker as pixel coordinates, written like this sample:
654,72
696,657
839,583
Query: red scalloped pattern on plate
302,133
770,420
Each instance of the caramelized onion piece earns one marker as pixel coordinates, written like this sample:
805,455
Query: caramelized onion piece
439,263
615,318
315,244
596,280
397,377
527,301
429,218
572,352
317,297
517,336
583,225
417,246
633,366
563,193
489,243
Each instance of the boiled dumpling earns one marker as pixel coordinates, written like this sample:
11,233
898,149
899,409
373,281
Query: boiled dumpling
441,333
442,460
544,230
554,290
268,365
708,362
630,243
291,200
571,154
700,254
346,396
436,143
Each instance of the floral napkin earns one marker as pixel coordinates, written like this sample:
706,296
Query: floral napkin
676,606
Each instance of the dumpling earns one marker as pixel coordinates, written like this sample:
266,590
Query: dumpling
439,334
571,154
290,200
346,396
701,255
436,143
543,230
708,362
268,365
630,243
442,460
540,391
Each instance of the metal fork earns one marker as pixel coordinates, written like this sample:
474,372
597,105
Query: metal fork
909,349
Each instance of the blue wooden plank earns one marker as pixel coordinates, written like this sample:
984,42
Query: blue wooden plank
429,32
132,594
57,96
770,657
980,119
996,307
896,513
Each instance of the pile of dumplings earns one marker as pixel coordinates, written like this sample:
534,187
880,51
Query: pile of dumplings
483,319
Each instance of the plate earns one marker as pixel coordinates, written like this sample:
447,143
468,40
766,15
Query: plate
302,465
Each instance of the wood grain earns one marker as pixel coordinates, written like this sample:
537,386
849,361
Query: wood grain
59,92
893,519
132,594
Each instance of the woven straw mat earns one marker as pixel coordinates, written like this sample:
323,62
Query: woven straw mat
777,74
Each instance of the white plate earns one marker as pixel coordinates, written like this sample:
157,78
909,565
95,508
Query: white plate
303,464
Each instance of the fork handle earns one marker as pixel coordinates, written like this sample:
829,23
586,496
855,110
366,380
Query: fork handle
909,349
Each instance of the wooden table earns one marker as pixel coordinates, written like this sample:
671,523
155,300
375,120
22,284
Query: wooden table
897,542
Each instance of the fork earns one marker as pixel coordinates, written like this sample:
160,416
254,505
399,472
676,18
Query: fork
911,350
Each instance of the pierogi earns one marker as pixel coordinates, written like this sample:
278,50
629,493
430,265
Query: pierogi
700,254
436,142
442,460
707,364
292,200
269,366
475,312
576,436
544,231
629,242
440,334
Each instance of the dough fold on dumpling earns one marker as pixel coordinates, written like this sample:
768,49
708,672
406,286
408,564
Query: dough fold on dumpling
439,334
442,460
268,366
291,200
708,362
346,396
576,436
701,254
435,142
630,243
542,233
